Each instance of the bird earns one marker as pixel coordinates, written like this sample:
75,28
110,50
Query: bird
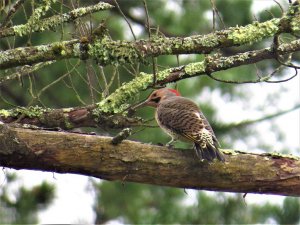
181,119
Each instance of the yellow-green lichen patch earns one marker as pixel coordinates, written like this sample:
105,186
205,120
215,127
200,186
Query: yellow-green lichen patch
31,112
280,155
115,102
67,110
33,23
229,151
295,23
294,17
118,100
106,52
42,48
59,48
209,40
4,113
254,32
227,62
195,68
79,12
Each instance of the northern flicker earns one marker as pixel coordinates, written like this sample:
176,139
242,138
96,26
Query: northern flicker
182,120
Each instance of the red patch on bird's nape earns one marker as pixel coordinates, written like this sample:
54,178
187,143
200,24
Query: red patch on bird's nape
174,91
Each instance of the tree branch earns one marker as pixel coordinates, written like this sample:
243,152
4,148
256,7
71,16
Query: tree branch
52,22
107,51
136,162
67,118
116,102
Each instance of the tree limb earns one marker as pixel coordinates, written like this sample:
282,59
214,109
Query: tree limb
136,162
106,51
67,118
117,100
51,23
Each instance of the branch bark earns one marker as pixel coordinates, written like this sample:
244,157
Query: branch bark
115,102
136,162
51,23
106,51
67,118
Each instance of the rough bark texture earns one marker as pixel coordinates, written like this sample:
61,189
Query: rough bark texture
66,118
109,52
136,162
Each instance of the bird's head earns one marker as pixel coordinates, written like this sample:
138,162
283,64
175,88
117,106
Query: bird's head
157,96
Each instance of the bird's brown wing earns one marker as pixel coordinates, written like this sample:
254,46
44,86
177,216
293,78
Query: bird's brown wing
183,117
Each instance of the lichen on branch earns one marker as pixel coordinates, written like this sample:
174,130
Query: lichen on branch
35,24
115,52
118,100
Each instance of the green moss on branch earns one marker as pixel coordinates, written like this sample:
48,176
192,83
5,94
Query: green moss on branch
36,25
118,101
30,112
254,32
33,22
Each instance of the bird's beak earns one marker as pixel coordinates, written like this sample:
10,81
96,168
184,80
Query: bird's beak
141,104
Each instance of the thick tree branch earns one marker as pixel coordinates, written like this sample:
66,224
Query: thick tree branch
107,51
136,162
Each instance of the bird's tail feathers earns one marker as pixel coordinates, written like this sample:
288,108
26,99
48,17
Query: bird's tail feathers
209,153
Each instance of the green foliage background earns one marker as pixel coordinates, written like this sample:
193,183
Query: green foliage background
83,84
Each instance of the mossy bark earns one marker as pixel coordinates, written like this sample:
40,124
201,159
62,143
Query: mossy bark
110,52
66,118
118,100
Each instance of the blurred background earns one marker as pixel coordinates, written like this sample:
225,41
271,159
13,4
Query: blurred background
248,117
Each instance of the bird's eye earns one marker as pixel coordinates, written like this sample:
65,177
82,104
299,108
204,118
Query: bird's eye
154,95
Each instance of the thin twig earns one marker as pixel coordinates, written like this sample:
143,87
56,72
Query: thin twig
149,35
216,11
81,76
56,81
90,82
258,80
125,18
23,71
214,15
105,89
280,81
281,8
11,12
